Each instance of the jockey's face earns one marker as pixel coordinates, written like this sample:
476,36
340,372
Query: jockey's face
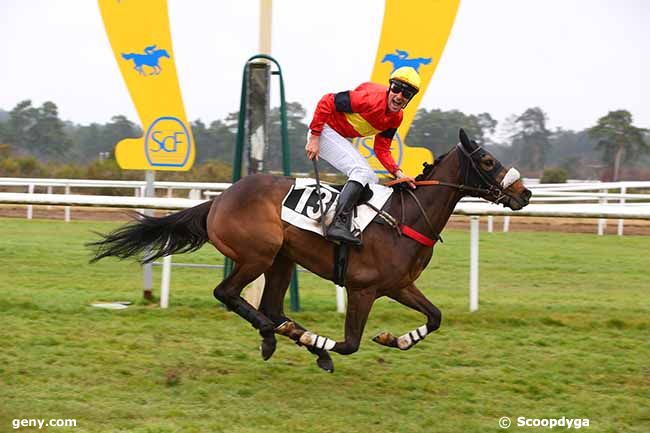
398,96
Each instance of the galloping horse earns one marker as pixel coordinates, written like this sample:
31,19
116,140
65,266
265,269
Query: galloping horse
401,59
244,224
151,57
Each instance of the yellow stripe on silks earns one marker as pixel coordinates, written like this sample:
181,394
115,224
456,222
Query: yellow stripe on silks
414,33
140,36
361,125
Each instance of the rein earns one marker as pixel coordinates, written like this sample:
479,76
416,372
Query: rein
492,190
438,182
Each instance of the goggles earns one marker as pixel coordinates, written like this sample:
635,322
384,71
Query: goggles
407,91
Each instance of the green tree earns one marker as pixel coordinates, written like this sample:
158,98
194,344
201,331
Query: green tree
618,139
4,132
215,142
297,135
88,142
437,130
21,118
116,130
46,137
531,139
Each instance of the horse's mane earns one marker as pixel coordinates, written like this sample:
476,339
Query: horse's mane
428,168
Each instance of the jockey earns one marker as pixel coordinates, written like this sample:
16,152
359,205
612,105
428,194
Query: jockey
370,109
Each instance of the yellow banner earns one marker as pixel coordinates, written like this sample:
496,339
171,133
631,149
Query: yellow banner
141,39
414,33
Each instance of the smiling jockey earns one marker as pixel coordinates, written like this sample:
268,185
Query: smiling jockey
370,109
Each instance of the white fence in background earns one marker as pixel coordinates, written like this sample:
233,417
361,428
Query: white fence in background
194,189
602,210
574,191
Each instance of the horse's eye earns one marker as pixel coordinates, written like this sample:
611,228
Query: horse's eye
488,164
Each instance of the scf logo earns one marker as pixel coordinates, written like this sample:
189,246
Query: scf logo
365,147
167,142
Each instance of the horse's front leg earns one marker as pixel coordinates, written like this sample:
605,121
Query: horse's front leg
359,305
412,297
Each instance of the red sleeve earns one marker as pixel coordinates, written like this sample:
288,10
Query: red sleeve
382,150
383,141
323,111
359,101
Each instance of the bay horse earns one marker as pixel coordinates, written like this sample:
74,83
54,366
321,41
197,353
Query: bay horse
244,224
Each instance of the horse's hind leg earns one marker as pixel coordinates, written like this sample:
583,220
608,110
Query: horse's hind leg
229,290
277,279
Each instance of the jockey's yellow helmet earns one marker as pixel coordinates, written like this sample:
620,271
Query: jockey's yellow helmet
407,75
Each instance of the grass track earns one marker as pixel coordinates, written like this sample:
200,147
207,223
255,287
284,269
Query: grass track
563,330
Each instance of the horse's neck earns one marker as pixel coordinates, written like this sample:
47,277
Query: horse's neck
439,201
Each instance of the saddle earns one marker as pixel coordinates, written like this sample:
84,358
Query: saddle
301,208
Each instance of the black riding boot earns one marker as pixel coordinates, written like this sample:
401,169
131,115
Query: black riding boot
339,230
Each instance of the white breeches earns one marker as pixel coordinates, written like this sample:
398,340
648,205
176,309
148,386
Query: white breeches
340,153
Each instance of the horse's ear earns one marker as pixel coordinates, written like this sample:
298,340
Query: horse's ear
465,141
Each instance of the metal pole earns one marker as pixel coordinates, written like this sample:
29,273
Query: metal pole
66,211
266,8
621,201
147,275
165,281
473,263
506,224
602,222
30,208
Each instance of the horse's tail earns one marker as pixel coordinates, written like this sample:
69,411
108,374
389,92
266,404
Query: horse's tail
156,237
128,56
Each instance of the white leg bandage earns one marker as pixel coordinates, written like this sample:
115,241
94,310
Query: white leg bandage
408,340
317,341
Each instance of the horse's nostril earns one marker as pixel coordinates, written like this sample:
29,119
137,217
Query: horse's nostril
526,195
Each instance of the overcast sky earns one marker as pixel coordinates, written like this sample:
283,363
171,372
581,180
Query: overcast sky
576,59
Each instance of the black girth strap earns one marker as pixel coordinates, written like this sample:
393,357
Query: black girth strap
341,250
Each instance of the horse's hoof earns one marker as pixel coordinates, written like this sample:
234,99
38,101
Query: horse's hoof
267,348
385,339
325,363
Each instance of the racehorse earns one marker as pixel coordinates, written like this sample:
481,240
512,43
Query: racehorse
244,224
151,57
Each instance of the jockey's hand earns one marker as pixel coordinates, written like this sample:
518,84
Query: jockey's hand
313,147
399,174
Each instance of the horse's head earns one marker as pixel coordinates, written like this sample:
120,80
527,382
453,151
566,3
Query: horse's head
161,53
488,178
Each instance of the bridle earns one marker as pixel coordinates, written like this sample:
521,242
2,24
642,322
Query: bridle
490,187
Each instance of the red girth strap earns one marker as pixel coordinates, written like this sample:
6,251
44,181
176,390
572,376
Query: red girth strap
419,237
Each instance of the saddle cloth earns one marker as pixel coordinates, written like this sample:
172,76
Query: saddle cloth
301,208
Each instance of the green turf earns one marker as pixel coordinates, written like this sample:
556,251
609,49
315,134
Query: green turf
563,330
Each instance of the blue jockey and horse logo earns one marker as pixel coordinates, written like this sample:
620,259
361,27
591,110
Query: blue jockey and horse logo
150,57
401,58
